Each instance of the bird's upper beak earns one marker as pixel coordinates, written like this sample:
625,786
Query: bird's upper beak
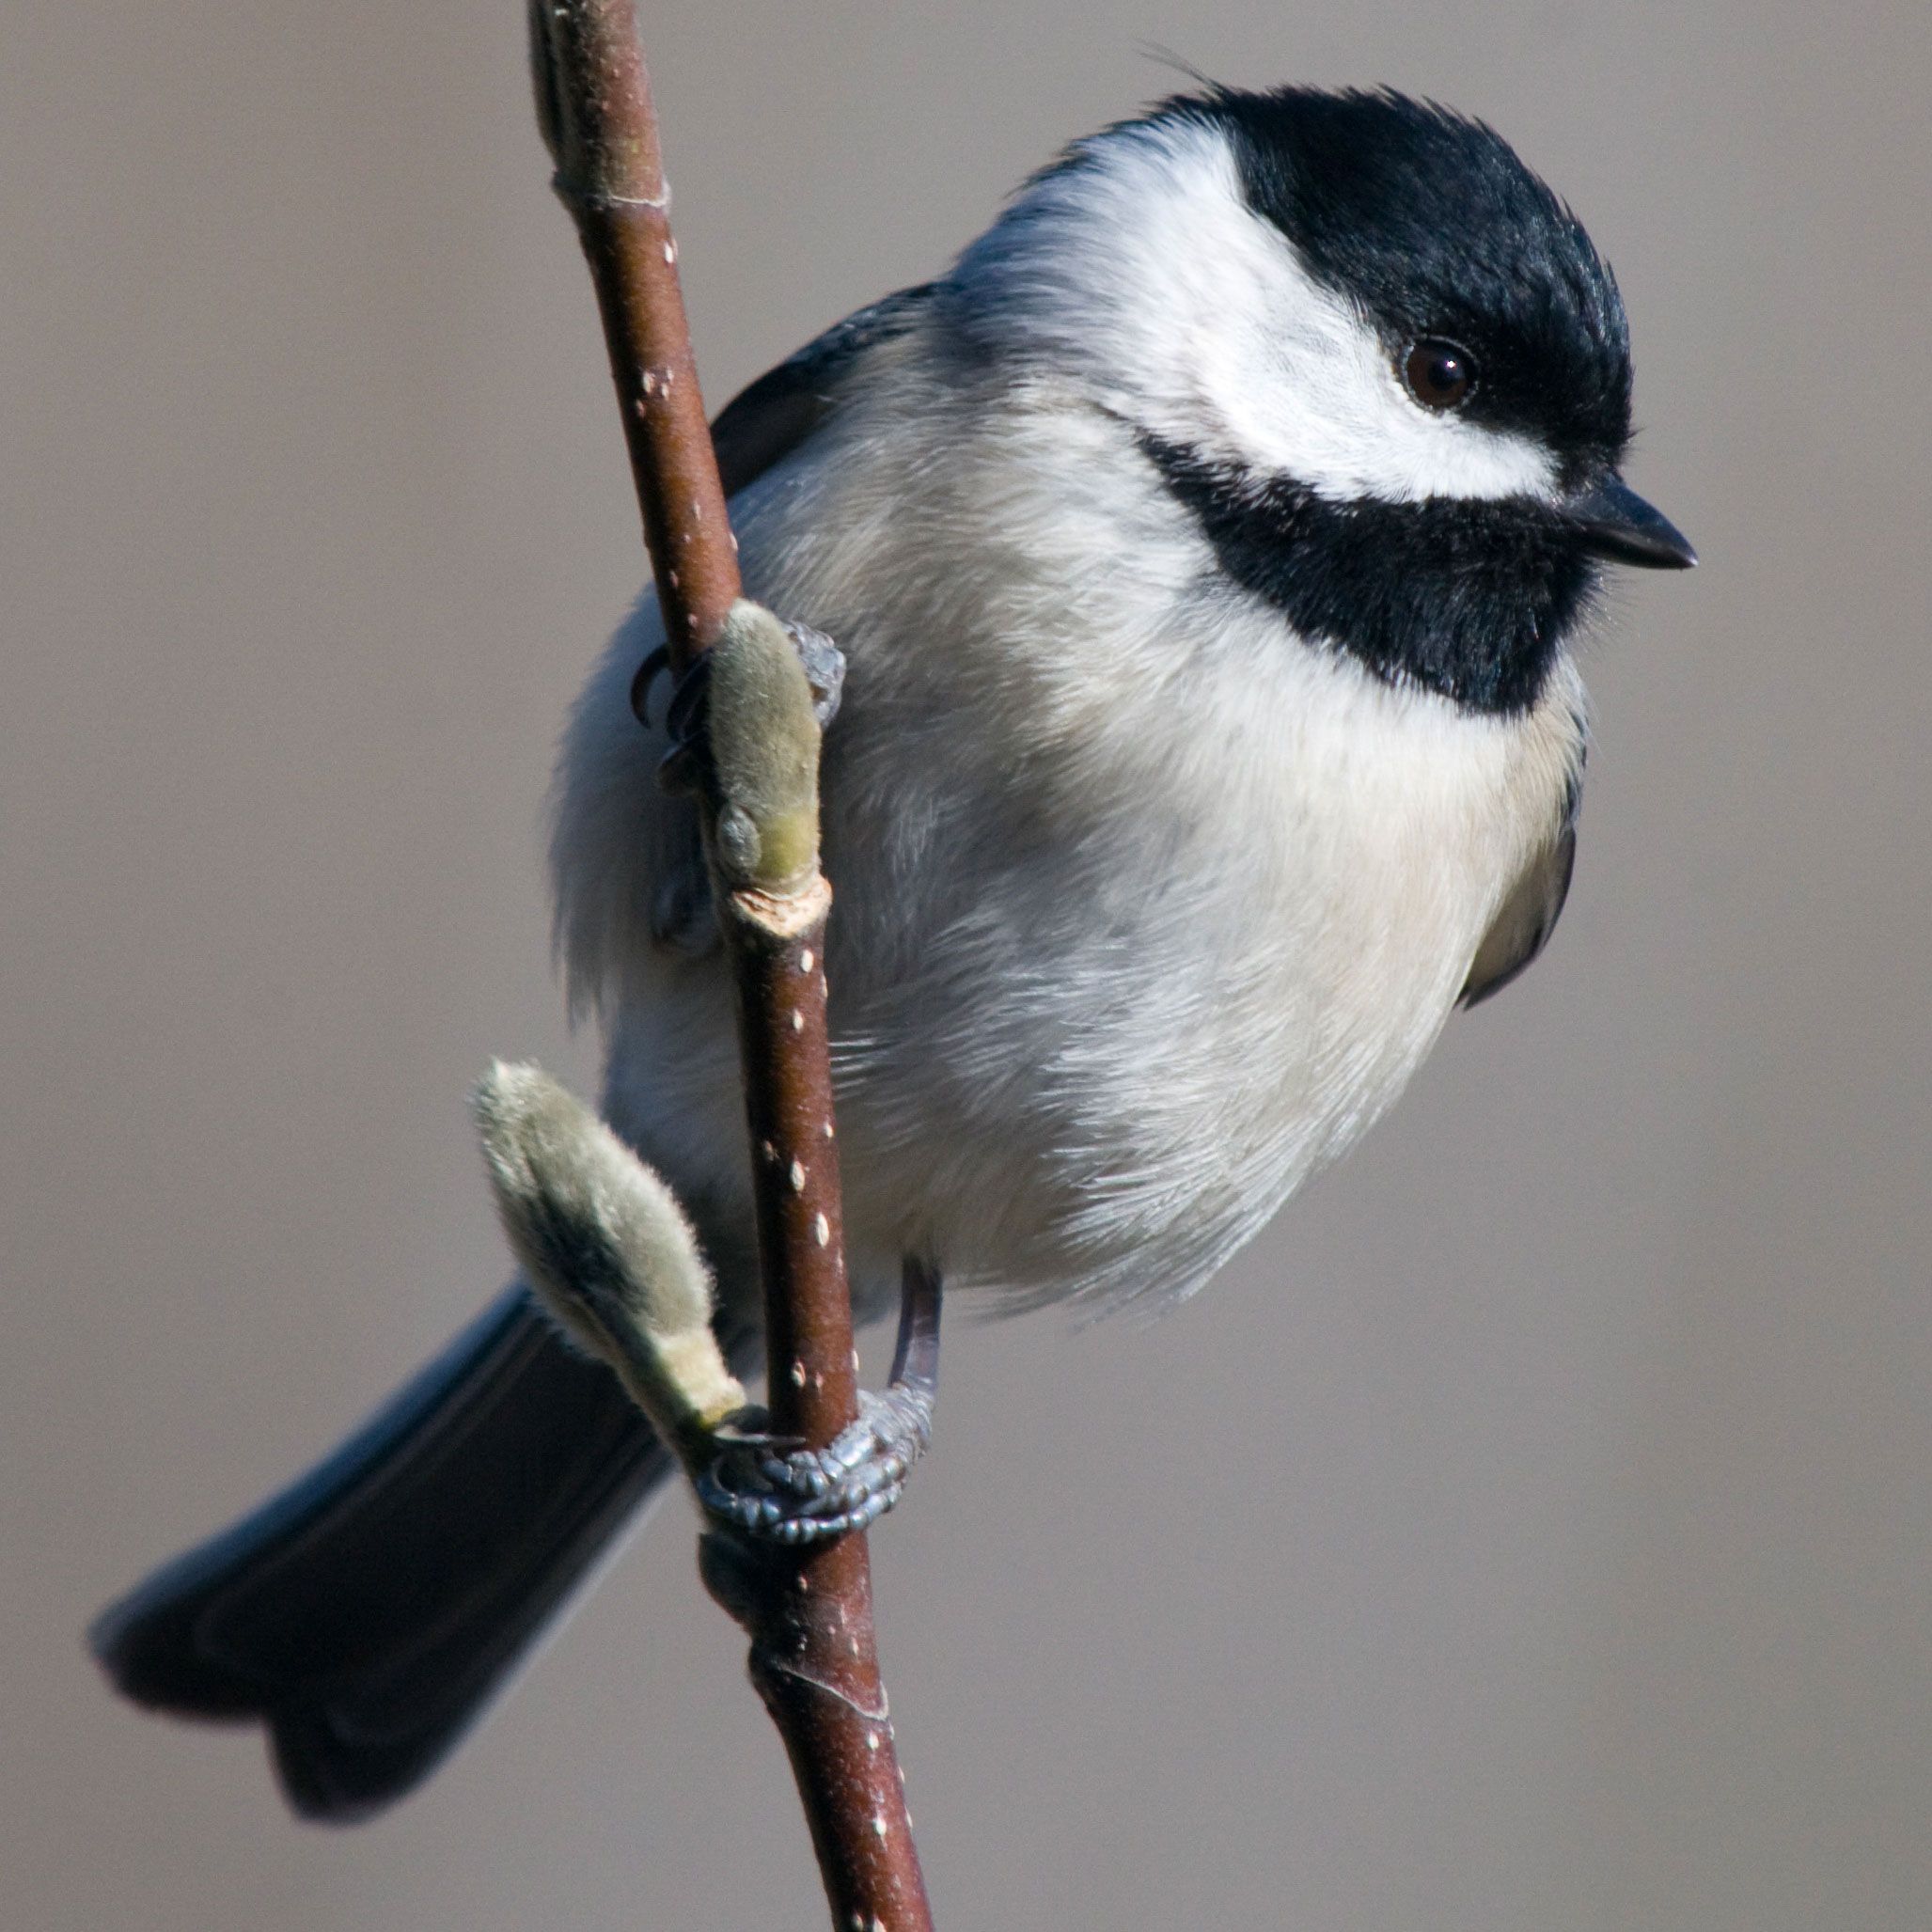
1617,523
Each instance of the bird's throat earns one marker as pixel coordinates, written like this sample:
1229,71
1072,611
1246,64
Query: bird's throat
1471,598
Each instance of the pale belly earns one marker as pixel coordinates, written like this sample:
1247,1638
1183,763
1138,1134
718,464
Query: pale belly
1116,960
1113,1043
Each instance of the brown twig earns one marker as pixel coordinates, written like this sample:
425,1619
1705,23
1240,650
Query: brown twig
593,106
810,1616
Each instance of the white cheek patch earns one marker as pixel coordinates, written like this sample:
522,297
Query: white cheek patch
1147,272
1298,383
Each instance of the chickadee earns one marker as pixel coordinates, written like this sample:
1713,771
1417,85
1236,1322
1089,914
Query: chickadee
1206,547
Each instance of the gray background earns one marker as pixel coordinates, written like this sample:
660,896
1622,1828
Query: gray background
1530,1533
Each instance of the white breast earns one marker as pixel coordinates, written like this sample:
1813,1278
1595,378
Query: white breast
1145,909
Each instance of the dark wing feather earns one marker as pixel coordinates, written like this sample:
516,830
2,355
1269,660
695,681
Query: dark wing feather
765,423
1521,930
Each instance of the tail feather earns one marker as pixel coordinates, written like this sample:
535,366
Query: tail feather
368,1613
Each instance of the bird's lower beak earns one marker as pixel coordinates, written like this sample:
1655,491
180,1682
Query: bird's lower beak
1617,523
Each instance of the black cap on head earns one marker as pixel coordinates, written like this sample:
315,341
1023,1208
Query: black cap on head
1430,223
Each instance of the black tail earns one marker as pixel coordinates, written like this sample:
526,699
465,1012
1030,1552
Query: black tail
367,1614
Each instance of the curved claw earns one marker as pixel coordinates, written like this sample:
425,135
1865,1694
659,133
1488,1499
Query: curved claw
653,668
810,1495
684,767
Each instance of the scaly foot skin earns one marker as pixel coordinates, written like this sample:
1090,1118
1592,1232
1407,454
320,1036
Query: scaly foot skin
809,1495
773,1495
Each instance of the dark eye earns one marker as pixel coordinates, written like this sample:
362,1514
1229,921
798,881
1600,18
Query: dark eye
1440,374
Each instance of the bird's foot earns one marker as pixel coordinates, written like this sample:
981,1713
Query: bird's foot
682,768
772,1491
773,1494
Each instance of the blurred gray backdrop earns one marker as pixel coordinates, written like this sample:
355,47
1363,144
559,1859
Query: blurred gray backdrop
1530,1532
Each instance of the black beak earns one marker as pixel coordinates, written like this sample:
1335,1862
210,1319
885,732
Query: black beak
1617,523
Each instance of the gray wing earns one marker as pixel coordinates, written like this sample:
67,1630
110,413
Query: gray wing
1521,930
757,429
763,424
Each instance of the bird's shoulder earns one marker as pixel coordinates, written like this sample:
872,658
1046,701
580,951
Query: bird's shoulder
770,418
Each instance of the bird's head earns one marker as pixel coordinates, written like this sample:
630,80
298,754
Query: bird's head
1377,357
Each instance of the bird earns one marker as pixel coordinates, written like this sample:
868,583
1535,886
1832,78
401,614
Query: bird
1208,549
